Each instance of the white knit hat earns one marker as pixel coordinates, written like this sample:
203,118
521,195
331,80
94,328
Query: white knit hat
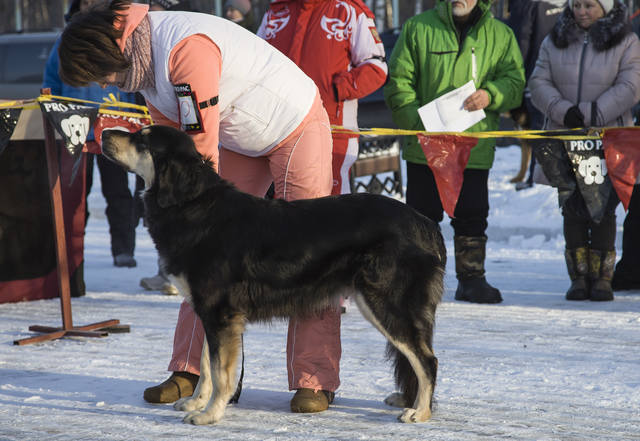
607,5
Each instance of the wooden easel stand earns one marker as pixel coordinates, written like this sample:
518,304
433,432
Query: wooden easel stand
100,329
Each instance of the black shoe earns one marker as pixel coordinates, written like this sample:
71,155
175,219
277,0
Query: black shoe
477,290
124,260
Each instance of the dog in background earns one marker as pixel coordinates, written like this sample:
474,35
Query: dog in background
520,118
238,259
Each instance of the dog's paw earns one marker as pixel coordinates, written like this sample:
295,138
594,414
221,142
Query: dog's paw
199,418
396,399
189,404
413,416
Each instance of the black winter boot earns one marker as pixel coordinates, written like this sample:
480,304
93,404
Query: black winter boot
472,285
601,264
578,269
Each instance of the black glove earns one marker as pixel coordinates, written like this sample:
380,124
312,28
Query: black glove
573,118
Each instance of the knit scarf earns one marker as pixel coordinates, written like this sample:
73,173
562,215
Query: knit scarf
138,51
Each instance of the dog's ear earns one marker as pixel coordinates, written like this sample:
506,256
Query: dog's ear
582,167
84,123
65,124
603,167
177,184
172,185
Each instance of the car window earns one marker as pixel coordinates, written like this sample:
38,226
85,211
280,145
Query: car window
25,62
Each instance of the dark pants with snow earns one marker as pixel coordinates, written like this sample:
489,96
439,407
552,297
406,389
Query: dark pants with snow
581,231
472,209
121,210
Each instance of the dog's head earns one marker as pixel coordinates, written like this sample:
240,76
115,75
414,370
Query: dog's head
166,158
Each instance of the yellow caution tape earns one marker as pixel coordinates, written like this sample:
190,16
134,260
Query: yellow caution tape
111,102
104,107
521,134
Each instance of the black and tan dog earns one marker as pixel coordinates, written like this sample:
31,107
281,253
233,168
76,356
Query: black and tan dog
239,259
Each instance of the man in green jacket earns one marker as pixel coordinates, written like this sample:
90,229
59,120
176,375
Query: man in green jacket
437,52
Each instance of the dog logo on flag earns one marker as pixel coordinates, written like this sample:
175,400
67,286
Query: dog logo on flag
593,169
76,128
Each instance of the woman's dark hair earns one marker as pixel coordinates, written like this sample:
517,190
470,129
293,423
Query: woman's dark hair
88,48
74,8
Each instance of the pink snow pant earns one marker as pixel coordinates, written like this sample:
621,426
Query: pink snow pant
300,167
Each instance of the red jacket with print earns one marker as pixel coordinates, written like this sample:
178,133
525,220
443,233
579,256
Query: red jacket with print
336,43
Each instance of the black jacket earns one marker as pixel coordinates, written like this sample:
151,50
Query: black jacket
531,21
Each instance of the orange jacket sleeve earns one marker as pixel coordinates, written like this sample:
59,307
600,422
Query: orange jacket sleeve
197,61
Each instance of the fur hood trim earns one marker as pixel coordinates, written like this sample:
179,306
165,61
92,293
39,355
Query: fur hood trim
605,33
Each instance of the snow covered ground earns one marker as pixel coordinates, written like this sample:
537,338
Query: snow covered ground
535,367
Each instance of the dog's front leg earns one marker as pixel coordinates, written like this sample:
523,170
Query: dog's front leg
202,394
224,348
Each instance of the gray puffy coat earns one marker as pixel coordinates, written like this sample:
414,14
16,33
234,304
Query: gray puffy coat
601,65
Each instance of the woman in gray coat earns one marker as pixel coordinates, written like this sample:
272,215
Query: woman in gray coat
588,74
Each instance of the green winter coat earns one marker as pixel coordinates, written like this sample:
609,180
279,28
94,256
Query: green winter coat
429,61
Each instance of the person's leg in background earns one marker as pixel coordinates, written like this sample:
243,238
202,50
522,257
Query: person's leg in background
602,257
469,226
120,211
344,154
576,253
422,192
627,274
184,365
589,249
88,183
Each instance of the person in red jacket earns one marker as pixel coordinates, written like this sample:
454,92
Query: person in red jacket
335,42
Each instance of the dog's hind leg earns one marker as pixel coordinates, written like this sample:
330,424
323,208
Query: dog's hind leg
202,393
416,369
419,374
224,349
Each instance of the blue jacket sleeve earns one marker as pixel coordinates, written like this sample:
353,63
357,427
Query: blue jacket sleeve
51,78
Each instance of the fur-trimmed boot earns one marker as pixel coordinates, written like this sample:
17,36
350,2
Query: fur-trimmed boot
472,286
578,269
601,264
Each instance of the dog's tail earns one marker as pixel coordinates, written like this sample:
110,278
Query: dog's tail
405,376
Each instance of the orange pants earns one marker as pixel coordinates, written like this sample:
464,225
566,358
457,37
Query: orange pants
300,167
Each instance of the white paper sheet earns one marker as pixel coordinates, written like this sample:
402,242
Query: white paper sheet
446,114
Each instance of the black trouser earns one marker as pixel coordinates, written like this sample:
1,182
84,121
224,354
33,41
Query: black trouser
631,234
581,231
121,211
472,209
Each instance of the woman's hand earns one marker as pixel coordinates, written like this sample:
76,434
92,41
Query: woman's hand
573,118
